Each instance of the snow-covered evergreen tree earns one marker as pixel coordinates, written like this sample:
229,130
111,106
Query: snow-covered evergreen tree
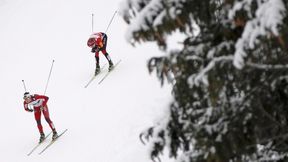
231,80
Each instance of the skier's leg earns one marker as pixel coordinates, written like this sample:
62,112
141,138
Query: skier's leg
37,115
107,56
97,63
97,57
108,59
47,118
103,50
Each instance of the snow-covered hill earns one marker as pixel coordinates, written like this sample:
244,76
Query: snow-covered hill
104,121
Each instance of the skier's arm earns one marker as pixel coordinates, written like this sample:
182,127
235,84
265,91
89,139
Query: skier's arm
95,49
27,108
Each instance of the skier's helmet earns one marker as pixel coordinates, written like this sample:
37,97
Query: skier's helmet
26,95
91,42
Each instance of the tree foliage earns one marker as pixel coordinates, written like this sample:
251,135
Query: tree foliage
231,83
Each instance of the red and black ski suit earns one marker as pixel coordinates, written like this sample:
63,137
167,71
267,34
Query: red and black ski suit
98,42
39,104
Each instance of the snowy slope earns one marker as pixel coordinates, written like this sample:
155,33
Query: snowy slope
104,121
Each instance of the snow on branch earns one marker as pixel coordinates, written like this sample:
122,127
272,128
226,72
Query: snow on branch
269,16
144,17
267,67
129,8
201,76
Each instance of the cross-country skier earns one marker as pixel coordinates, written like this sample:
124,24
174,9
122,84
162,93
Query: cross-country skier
98,42
39,104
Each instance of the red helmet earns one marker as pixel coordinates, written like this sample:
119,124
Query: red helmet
91,42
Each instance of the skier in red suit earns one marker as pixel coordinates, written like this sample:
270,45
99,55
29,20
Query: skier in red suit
98,42
39,105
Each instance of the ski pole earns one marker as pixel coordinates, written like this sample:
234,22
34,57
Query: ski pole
110,21
49,77
24,85
92,22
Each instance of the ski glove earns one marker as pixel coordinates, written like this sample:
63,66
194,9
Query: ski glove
95,49
30,110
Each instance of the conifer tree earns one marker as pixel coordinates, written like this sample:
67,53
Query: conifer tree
231,80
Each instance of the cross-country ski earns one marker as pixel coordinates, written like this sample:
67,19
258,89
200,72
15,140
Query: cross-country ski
94,76
53,140
38,144
109,72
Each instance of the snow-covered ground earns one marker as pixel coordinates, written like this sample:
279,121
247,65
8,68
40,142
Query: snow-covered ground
103,121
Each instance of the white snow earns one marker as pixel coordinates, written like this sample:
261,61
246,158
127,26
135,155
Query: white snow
269,16
202,77
153,14
103,121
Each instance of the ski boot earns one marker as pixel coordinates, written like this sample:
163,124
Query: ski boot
111,66
97,71
55,135
42,137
